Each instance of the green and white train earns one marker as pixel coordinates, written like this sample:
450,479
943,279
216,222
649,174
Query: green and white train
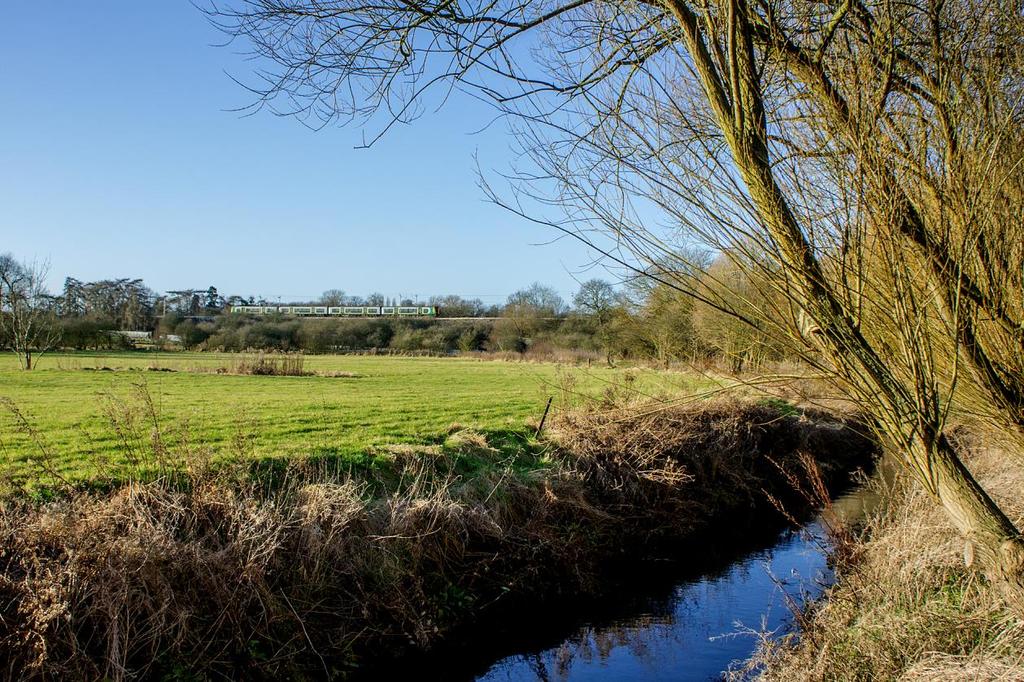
337,311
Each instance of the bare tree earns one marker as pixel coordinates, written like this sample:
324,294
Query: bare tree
598,299
28,324
537,300
332,297
860,161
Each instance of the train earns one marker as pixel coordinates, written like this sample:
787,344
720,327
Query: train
337,311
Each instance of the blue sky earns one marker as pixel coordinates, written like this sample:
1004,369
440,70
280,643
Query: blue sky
119,157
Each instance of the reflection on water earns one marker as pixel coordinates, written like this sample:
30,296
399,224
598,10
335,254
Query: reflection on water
694,632
692,615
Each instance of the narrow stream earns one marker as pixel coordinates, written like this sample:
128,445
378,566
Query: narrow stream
697,630
695,627
692,616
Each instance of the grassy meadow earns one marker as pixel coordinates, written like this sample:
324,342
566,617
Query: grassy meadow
82,415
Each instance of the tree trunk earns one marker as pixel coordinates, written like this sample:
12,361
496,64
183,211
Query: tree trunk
998,543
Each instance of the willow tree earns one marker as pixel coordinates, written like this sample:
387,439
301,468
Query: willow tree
860,161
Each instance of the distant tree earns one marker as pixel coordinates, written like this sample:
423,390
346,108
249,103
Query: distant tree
375,299
667,323
332,297
124,303
72,301
28,324
472,338
214,301
187,301
456,306
743,345
510,334
81,333
193,334
597,298
526,313
538,300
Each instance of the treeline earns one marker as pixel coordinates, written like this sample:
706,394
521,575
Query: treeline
645,320
642,321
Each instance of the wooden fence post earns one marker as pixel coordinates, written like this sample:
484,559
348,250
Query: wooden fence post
540,427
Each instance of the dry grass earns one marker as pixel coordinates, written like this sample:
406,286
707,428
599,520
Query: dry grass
319,569
731,451
231,576
908,608
271,365
267,364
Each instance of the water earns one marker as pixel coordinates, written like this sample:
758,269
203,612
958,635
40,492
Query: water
691,616
695,630
695,626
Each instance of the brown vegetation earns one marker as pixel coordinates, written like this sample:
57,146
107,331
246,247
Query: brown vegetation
906,607
326,567
264,364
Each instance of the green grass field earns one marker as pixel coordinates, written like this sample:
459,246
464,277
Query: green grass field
67,405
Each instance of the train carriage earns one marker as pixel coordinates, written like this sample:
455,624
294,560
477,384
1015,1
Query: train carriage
247,309
337,311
